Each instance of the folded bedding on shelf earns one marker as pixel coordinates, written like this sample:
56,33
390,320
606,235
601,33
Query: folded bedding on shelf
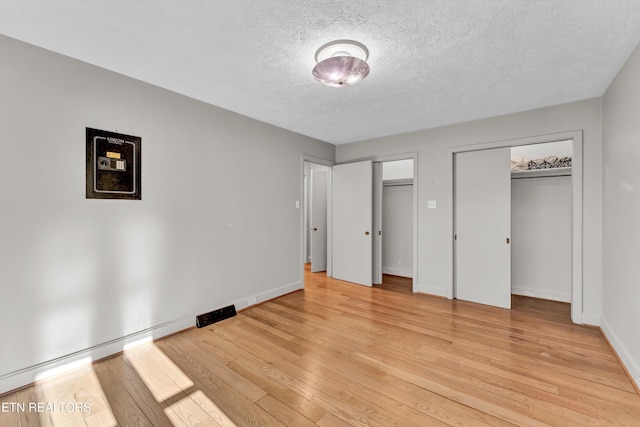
549,162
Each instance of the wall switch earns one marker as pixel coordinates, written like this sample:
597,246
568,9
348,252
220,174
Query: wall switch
297,204
431,204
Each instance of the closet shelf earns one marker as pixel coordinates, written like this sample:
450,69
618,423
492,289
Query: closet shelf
540,173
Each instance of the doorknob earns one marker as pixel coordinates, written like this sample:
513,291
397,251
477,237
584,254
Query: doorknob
366,233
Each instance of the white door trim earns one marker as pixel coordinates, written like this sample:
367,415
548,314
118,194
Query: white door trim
576,189
377,223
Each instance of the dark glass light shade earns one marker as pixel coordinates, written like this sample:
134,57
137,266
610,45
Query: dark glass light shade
341,71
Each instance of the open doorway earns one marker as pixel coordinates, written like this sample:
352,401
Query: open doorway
400,250
315,216
393,214
541,220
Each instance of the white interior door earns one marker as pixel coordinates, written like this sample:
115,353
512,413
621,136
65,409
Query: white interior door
351,217
483,226
318,220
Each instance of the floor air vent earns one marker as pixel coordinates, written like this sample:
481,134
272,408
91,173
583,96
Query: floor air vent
215,316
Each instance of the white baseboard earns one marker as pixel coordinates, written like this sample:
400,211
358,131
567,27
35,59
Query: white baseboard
31,374
267,295
397,272
542,294
632,366
25,376
590,319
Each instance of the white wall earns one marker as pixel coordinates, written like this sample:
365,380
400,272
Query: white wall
434,183
540,151
397,169
217,222
397,230
621,233
541,237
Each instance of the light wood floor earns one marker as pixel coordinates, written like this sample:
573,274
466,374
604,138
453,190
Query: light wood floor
395,283
339,354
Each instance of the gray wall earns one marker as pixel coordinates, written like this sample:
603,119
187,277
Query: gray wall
434,183
621,247
397,230
541,237
217,223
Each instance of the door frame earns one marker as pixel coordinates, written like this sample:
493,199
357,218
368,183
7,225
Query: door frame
403,156
306,158
576,203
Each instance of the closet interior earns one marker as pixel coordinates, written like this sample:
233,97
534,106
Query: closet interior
397,218
541,220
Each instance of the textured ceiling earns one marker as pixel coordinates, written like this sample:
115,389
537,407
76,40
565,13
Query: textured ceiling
432,62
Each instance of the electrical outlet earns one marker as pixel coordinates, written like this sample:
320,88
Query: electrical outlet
251,301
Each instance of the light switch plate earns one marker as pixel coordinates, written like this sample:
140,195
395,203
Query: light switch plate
431,204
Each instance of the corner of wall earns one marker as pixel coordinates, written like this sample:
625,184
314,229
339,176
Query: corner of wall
622,352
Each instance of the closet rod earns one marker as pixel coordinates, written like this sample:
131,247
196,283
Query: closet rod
540,176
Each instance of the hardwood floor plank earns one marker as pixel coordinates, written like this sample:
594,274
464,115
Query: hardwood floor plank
428,403
338,354
224,375
125,409
10,411
256,370
56,391
463,394
195,363
29,418
127,379
187,412
259,372
242,411
330,420
283,413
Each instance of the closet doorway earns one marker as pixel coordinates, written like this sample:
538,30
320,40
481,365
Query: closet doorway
519,232
400,250
393,215
541,220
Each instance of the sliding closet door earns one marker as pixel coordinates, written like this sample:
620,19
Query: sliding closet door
483,226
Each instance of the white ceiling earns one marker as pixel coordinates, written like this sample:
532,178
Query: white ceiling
433,62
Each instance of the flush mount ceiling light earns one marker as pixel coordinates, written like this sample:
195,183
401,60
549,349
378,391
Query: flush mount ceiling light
341,63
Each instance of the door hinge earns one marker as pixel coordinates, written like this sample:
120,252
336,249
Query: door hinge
455,237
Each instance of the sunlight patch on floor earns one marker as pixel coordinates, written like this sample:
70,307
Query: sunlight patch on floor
77,398
161,376
195,409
